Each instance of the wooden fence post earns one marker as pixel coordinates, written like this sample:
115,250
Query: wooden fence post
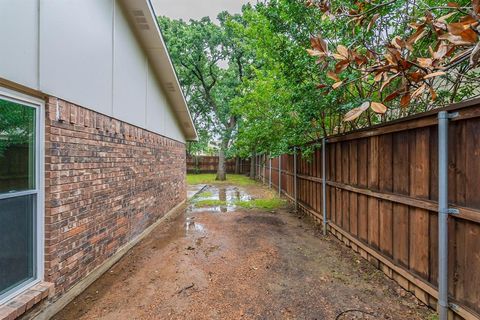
270,173
279,176
324,186
264,163
295,177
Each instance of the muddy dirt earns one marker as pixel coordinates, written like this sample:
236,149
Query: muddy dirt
231,263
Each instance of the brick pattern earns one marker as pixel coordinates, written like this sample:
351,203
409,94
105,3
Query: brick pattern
25,301
105,182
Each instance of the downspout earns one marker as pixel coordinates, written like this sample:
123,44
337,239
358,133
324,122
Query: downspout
324,186
443,212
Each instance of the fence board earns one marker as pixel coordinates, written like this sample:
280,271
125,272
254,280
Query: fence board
382,191
209,164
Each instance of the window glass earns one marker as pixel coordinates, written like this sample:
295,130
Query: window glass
17,241
17,147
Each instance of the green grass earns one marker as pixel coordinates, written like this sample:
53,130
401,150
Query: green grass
266,204
204,194
210,203
209,178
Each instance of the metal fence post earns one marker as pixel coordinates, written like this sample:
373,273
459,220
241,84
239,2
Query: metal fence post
324,186
295,177
443,212
279,176
270,172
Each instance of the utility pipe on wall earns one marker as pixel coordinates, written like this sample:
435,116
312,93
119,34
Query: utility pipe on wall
324,187
443,212
295,177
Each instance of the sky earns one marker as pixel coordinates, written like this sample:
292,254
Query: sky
196,9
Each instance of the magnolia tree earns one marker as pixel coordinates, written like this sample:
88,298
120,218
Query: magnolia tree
398,58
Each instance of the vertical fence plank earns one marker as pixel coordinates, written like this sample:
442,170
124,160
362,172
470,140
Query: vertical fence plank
386,185
374,183
433,216
338,178
401,168
373,232
363,182
346,180
353,158
472,199
419,218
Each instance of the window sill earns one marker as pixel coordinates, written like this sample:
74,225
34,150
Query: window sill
25,301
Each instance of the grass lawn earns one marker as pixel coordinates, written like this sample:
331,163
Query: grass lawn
267,204
209,178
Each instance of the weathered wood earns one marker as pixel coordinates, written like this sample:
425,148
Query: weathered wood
209,164
373,218
353,201
386,185
382,192
419,218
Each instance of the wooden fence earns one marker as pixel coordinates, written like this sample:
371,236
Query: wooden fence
209,164
381,200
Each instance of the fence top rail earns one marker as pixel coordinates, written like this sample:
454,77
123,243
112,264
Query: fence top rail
467,109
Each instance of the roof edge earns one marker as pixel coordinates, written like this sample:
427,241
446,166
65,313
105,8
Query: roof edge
143,19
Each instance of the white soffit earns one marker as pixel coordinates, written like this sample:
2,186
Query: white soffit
143,19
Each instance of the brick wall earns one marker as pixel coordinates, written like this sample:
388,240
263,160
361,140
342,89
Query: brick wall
105,182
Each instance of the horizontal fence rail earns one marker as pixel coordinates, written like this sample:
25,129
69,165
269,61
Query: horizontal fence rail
381,191
209,164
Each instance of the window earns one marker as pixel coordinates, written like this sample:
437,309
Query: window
20,199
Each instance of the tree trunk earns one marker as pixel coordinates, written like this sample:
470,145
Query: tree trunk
237,165
221,174
252,166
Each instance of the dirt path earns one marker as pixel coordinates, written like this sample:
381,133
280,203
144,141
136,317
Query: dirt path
223,262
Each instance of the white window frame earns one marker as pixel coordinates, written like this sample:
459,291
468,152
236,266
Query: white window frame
39,190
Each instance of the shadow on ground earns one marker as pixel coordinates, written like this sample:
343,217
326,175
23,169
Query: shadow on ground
227,262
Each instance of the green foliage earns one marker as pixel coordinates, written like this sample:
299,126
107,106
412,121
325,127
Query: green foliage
279,106
252,86
17,126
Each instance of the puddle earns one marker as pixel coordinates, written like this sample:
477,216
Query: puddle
186,224
224,194
193,227
194,189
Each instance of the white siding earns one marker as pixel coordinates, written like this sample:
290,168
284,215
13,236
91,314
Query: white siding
88,55
76,51
160,117
156,104
130,71
171,125
19,41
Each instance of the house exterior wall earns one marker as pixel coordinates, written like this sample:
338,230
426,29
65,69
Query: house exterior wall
85,52
106,181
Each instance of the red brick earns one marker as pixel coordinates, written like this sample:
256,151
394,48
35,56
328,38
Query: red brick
106,182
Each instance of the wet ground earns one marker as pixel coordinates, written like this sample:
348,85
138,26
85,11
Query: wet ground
225,262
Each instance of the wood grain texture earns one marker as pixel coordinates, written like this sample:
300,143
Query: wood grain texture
382,192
